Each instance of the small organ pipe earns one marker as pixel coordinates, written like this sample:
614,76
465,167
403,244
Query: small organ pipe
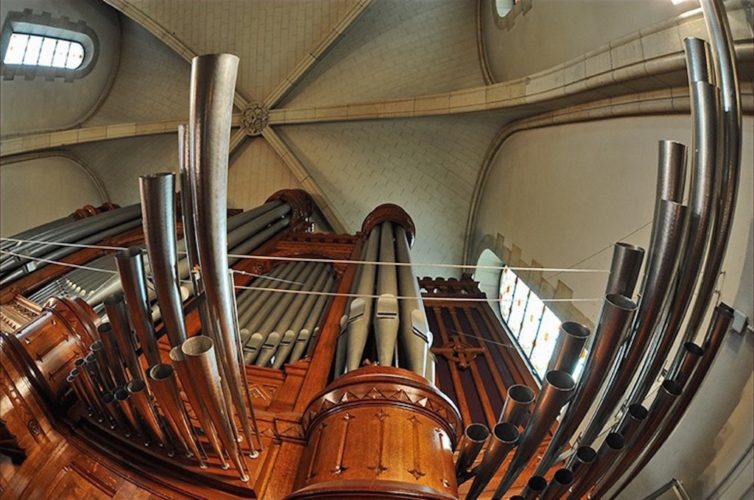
572,337
116,312
144,409
504,438
517,403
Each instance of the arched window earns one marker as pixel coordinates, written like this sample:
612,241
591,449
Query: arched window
534,325
38,45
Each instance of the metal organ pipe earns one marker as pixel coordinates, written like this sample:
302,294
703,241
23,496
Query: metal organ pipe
703,112
611,448
624,269
517,403
143,406
504,438
557,389
661,269
386,320
474,437
360,310
572,337
158,217
131,269
558,486
614,321
213,80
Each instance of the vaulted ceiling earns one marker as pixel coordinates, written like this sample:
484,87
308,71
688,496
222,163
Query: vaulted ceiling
364,102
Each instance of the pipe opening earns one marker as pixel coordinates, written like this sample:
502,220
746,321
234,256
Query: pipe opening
638,411
196,346
563,476
114,299
161,372
78,363
521,394
537,483
104,327
615,441
507,432
89,358
693,348
586,454
121,394
158,175
575,329
561,380
629,246
96,346
136,386
621,301
672,387
477,432
70,378
108,398
724,309
176,354
75,372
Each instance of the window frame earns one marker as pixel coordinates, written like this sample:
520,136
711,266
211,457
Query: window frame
44,25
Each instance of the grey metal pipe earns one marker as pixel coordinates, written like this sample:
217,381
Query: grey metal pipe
504,438
302,339
704,115
557,389
613,324
535,487
414,332
115,309
158,217
691,355
624,269
386,320
729,161
131,269
474,437
572,337
518,400
258,239
248,298
558,486
360,310
316,315
611,448
98,349
145,410
660,273
256,314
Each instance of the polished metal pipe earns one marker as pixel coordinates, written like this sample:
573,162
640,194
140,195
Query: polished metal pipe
666,397
414,333
78,389
131,268
158,218
581,460
90,388
299,348
704,115
92,367
535,487
558,486
360,310
122,397
145,410
474,437
273,316
719,326
263,301
202,364
557,389
200,409
516,406
213,78
661,270
316,315
572,337
269,345
624,269
504,437
113,409
386,321
611,448
632,421
613,324
98,349
114,362
692,354
115,309
163,384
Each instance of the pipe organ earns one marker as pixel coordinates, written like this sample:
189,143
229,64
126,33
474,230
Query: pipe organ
176,348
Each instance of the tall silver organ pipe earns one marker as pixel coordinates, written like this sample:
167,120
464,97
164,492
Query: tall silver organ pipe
703,113
158,217
213,79
360,310
386,321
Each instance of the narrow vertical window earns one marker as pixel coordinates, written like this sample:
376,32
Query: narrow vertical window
34,50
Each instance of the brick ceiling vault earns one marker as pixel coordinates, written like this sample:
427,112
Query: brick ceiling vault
316,93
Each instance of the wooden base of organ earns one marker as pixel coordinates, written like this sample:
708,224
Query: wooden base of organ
376,432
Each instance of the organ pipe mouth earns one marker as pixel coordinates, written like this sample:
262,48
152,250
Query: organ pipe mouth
506,433
575,329
477,433
521,394
560,380
638,411
196,346
621,302
161,372
563,476
586,454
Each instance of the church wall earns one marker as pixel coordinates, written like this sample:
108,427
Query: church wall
563,30
39,190
41,105
563,195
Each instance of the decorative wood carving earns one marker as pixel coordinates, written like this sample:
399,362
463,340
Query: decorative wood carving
392,213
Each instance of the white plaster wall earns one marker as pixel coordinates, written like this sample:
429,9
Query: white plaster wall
568,29
564,195
40,105
39,190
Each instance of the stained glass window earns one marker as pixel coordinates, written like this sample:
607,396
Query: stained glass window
35,50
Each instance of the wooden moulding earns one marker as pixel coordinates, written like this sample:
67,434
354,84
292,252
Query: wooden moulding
393,213
379,432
